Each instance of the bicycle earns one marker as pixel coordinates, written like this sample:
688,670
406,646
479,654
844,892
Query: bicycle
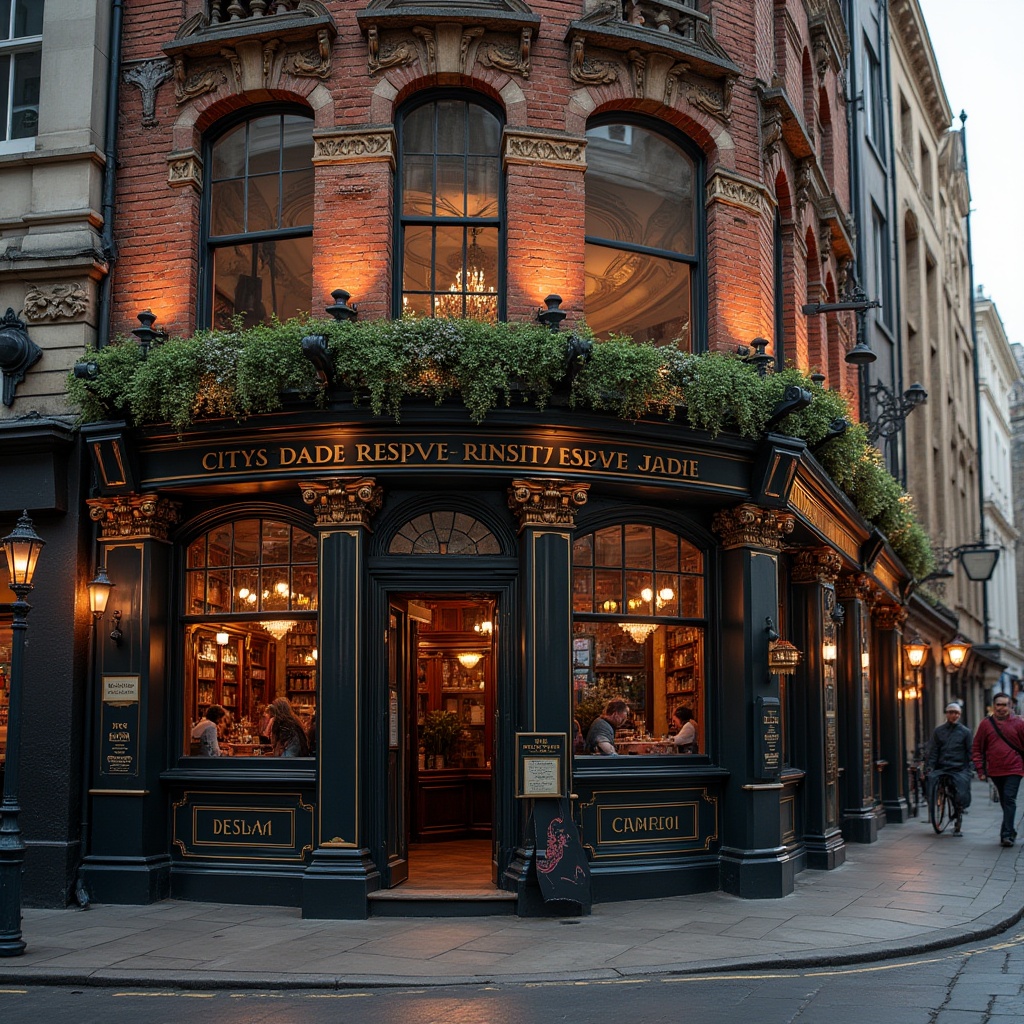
944,805
915,786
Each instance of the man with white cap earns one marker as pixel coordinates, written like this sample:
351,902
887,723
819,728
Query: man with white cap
949,753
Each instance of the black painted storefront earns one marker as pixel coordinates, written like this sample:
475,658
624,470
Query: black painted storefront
747,814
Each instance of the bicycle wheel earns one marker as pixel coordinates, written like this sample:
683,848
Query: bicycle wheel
940,805
913,791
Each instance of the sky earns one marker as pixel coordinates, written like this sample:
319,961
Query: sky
977,44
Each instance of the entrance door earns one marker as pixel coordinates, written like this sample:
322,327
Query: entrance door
398,673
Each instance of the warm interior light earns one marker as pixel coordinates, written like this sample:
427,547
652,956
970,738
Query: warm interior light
282,588
865,660
277,628
469,659
471,285
243,593
783,658
917,652
222,639
485,627
828,651
638,631
666,594
610,606
22,546
647,594
957,650
99,592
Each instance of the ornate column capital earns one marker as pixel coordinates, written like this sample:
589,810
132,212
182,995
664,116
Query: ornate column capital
352,501
546,502
134,515
856,586
816,565
751,526
889,616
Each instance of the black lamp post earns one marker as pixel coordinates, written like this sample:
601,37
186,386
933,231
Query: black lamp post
22,546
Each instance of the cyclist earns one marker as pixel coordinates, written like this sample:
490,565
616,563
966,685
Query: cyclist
949,753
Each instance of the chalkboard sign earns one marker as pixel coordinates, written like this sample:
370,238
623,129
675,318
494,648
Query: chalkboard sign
768,736
562,869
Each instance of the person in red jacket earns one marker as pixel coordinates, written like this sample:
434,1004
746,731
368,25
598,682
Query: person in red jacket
998,754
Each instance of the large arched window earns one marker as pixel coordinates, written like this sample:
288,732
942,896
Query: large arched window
249,607
639,625
450,210
258,250
643,235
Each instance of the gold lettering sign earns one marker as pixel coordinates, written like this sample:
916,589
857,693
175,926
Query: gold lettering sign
649,823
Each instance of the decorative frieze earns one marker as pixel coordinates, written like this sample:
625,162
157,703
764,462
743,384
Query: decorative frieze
354,146
185,169
57,302
193,82
546,502
816,565
149,76
725,187
751,526
546,148
144,516
343,501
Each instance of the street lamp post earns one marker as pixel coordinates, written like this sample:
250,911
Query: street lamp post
22,546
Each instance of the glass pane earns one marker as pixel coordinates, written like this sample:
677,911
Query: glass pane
304,547
483,175
297,146
218,591
264,203
245,590
276,537
236,290
639,593
693,561
28,17
608,592
5,79
196,553
418,186
25,110
666,551
638,546
451,186
5,19
418,131
691,597
608,546
219,550
417,249
582,596
195,590
417,305
227,208
247,542
583,550
639,189
286,268
449,244
451,126
275,590
643,296
666,594
229,154
304,585
297,198
265,145
484,130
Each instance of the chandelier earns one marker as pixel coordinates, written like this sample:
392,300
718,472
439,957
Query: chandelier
470,284
469,659
638,631
277,628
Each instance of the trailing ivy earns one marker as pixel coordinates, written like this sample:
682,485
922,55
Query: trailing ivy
244,372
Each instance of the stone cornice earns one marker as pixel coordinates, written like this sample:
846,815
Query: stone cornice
144,516
909,28
546,502
343,501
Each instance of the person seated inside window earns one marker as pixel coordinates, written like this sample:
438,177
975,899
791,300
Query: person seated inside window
601,734
685,737
284,730
207,734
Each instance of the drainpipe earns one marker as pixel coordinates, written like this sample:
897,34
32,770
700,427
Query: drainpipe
107,243
977,377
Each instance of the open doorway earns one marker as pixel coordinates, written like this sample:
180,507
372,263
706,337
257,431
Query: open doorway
450,742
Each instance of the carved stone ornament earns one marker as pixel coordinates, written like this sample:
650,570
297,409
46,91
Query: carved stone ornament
314,62
546,502
889,616
192,82
149,76
511,56
545,148
802,184
771,134
749,526
589,72
389,55
18,352
185,169
725,187
146,516
354,146
58,302
856,586
344,501
816,565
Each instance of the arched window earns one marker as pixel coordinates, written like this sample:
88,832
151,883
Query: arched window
643,235
639,625
444,533
249,607
450,209
258,223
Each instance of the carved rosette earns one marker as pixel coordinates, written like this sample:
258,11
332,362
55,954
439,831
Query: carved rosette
545,148
354,146
889,616
185,169
58,302
546,502
749,526
343,501
144,516
816,565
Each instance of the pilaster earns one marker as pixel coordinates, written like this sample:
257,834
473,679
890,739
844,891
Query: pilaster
886,660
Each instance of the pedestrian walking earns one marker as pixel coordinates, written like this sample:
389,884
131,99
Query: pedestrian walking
998,754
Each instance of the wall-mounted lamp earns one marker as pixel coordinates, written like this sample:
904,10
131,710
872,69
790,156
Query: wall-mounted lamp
148,337
892,410
783,657
917,652
828,651
553,316
469,659
978,559
856,302
956,651
341,309
115,634
99,592
865,661
222,639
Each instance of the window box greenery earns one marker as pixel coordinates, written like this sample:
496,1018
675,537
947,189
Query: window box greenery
244,372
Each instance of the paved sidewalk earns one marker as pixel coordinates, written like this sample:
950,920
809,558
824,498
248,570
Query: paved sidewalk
911,891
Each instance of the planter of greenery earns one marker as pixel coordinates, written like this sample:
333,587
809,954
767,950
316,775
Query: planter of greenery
438,735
